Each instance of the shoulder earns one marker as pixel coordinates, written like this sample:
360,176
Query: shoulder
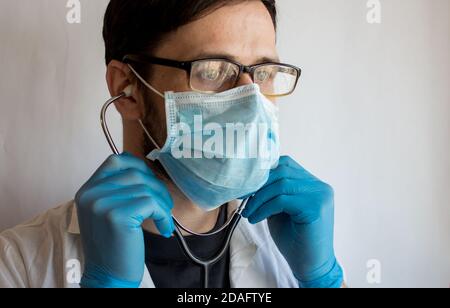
43,227
30,251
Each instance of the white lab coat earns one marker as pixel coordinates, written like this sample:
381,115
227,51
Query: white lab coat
41,253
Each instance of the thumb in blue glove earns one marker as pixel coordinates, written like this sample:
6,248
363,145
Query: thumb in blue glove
111,207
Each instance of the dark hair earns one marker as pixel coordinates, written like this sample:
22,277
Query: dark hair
134,26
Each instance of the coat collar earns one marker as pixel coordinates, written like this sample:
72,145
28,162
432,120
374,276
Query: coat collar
73,227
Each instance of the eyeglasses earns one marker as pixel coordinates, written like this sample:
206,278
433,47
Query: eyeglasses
219,75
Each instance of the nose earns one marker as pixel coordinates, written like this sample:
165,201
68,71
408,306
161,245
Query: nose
245,79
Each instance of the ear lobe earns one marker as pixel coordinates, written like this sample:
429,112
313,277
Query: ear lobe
117,78
129,109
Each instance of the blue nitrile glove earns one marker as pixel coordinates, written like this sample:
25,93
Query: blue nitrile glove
300,213
111,207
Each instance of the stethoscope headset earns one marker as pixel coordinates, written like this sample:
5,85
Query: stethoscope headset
229,227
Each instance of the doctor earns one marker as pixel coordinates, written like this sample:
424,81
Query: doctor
120,226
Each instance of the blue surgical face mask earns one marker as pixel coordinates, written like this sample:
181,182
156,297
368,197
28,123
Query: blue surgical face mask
219,147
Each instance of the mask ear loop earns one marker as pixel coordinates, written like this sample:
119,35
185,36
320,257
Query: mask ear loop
148,135
145,82
126,93
154,90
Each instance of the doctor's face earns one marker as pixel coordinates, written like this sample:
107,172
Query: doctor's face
242,32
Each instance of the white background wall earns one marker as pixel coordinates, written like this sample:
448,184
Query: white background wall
371,117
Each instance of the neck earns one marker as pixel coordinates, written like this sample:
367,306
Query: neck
185,211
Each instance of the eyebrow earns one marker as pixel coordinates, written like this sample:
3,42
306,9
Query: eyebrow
234,58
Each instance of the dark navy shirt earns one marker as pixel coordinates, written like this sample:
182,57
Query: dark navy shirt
170,268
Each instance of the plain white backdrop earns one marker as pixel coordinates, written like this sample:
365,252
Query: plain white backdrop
371,117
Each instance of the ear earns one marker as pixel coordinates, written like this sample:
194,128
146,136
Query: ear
118,78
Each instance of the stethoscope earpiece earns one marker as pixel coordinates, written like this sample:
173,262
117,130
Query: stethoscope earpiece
128,91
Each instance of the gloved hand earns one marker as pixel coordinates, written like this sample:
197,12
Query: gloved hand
300,213
111,207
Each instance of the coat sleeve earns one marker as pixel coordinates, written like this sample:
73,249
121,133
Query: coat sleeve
13,273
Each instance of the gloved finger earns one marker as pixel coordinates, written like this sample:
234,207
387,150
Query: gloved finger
289,162
116,163
104,199
304,207
134,177
288,169
285,183
288,172
301,209
134,214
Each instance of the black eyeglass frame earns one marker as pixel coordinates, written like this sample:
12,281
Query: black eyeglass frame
187,66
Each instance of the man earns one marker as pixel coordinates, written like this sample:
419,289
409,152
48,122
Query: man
120,226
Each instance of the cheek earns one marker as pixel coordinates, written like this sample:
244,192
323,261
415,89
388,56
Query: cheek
171,80
155,119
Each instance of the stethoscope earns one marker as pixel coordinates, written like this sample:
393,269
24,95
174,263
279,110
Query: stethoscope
229,227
